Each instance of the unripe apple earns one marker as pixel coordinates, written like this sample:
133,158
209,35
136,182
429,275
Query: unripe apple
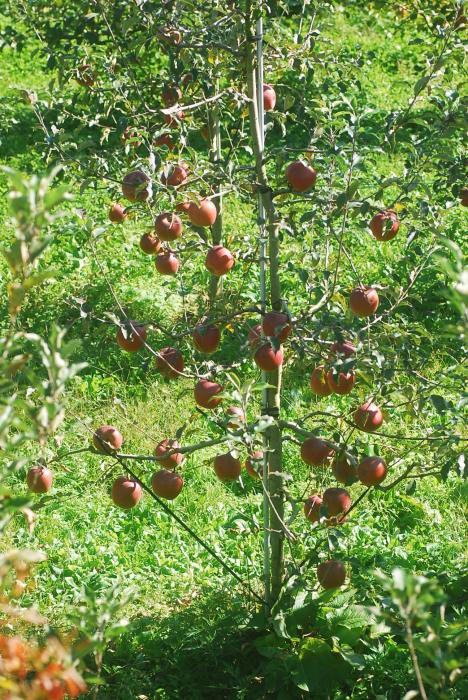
206,393
368,417
168,226
167,484
337,501
39,479
107,439
227,467
172,460
254,464
117,213
276,324
134,337
319,382
219,260
237,417
166,263
385,225
268,359
315,451
331,574
207,338
343,470
312,508
372,471
203,214
125,492
149,243
364,301
255,336
170,362
341,383
269,98
133,186
300,176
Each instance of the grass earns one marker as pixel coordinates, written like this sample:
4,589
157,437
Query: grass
190,635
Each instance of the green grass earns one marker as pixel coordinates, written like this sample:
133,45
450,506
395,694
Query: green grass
189,636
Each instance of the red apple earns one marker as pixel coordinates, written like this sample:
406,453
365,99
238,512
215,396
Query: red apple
341,383
255,335
319,382
364,301
168,226
368,417
85,75
39,479
171,95
337,501
343,470
174,118
107,439
127,135
176,176
276,324
207,338
167,484
300,176
170,362
267,359
269,98
372,471
227,467
183,206
166,263
165,446
385,225
203,214
254,465
149,243
133,186
219,260
125,492
164,140
341,350
131,336
315,451
312,508
464,196
331,574
237,417
206,393
117,213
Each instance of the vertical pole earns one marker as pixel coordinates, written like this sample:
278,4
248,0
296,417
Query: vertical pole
262,253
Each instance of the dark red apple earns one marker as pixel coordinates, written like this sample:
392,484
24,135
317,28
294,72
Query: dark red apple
125,492
171,95
167,484
331,574
149,243
168,226
131,336
107,439
269,98
206,393
385,225
337,501
133,186
219,260
164,140
170,362
227,467
203,214
372,471
464,196
174,118
166,263
85,75
207,338
319,382
117,213
268,359
300,176
39,479
315,451
172,460
368,417
277,324
312,508
343,470
127,135
364,301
